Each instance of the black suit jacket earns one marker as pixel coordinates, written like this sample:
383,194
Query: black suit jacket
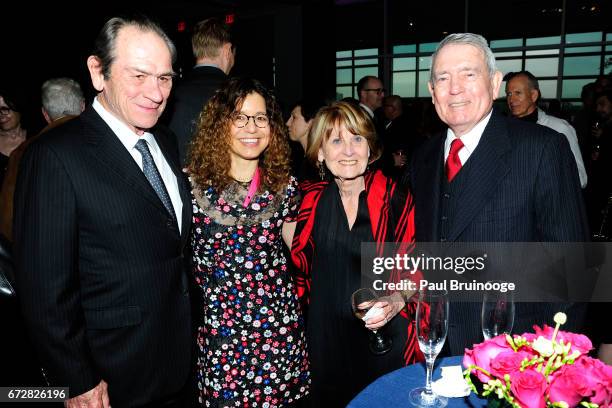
523,186
188,99
102,278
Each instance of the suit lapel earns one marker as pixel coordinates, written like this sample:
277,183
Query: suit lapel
107,148
427,192
489,165
181,180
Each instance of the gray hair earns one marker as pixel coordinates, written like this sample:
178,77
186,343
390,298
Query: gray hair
104,47
61,97
474,40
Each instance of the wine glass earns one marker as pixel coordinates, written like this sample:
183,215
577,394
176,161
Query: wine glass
497,312
362,300
431,328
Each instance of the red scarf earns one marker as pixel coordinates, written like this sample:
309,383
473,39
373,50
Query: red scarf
392,219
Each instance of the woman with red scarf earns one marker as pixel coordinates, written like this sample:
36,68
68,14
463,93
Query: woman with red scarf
350,206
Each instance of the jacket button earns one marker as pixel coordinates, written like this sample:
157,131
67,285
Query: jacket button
443,239
446,195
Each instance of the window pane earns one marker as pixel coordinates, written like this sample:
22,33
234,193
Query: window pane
542,67
404,49
554,51
583,37
548,88
428,47
581,65
576,50
424,62
423,91
508,54
608,68
346,63
343,54
404,64
608,48
573,87
343,76
404,84
361,72
609,37
544,40
506,66
366,52
369,61
515,42
343,92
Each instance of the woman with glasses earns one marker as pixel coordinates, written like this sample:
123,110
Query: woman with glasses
251,342
12,134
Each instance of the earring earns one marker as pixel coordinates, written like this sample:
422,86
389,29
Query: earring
321,170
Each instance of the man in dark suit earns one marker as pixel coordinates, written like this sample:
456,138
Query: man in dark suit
214,52
102,218
400,138
489,178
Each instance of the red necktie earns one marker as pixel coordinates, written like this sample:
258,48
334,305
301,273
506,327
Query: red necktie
453,164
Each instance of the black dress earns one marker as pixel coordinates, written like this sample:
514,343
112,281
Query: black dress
3,166
341,363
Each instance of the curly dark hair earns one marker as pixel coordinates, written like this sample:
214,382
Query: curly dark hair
209,157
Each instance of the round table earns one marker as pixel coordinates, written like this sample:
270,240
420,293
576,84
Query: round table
391,390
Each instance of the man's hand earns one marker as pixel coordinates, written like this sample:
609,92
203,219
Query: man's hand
97,397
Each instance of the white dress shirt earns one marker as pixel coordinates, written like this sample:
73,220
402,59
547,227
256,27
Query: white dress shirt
129,140
470,140
367,109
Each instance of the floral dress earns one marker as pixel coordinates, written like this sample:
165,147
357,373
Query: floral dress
251,342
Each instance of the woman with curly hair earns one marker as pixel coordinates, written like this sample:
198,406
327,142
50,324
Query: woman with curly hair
251,342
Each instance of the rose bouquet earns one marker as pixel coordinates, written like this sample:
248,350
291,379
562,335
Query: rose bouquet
548,368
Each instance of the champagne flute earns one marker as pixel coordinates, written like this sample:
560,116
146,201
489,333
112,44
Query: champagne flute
431,328
497,315
362,300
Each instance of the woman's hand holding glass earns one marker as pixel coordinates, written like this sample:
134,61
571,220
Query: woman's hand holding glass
390,305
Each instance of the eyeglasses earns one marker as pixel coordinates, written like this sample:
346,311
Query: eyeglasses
5,111
240,120
377,90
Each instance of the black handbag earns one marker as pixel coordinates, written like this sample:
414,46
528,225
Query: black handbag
7,272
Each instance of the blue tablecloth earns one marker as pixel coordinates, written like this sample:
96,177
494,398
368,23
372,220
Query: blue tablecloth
391,390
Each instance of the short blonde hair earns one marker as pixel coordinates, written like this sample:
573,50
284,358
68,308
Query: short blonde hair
356,121
208,37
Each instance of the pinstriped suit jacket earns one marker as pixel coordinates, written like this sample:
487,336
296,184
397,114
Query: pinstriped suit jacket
102,279
523,186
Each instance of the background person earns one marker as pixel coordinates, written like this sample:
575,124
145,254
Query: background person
251,342
298,125
12,132
522,95
62,100
214,52
338,214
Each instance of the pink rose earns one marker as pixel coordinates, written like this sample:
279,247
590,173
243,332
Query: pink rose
572,384
507,362
528,388
579,342
483,353
603,383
